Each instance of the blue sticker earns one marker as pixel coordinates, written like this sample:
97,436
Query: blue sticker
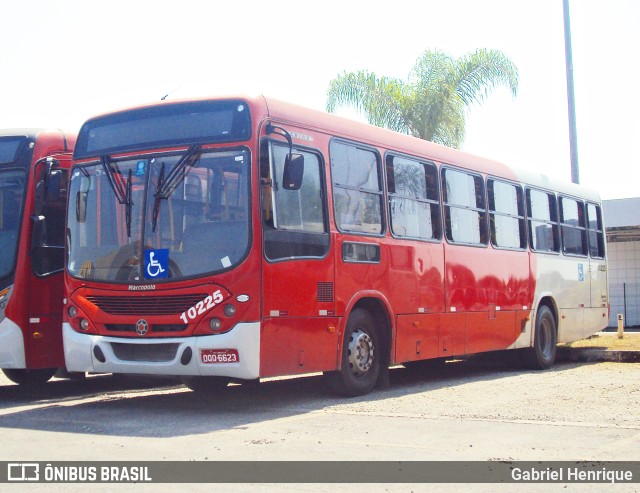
156,263
581,272
141,167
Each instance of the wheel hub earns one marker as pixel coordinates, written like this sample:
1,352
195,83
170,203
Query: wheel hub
361,352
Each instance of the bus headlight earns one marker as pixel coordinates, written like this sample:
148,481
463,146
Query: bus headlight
229,310
72,311
215,324
84,324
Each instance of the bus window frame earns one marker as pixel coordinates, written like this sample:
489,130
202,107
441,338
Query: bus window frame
381,185
523,203
597,231
147,154
529,217
584,229
483,224
437,202
265,153
40,251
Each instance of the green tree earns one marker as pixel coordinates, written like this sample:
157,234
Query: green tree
431,105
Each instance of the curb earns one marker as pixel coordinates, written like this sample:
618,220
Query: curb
594,354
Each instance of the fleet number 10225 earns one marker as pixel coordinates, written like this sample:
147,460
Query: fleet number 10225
202,306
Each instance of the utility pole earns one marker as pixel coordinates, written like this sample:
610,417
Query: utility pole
573,138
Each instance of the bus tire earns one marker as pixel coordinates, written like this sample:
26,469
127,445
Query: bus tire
361,356
30,378
210,385
543,353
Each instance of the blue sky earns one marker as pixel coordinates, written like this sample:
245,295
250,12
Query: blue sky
64,61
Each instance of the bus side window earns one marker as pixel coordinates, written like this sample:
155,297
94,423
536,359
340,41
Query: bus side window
47,254
506,214
574,233
413,198
596,231
464,207
357,189
294,219
543,221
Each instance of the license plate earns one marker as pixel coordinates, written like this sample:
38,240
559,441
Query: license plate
210,356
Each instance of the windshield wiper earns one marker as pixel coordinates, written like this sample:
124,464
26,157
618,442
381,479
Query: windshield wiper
157,199
122,191
177,174
166,187
128,204
118,189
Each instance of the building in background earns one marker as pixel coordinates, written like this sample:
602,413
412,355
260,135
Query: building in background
622,223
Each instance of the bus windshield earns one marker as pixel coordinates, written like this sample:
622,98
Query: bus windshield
12,188
159,217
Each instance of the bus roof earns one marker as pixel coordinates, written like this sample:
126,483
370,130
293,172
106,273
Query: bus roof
264,107
387,139
29,132
69,138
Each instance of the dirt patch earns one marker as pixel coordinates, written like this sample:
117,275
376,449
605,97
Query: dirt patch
609,340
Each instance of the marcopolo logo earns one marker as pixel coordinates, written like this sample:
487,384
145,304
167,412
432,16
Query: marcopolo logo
23,471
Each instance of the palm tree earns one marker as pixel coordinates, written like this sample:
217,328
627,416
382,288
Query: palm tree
432,104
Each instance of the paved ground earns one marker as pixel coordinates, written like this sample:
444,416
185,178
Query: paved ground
476,410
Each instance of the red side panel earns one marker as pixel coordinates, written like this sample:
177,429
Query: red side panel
485,290
417,337
38,300
298,345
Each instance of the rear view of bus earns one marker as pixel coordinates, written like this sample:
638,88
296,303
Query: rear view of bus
33,184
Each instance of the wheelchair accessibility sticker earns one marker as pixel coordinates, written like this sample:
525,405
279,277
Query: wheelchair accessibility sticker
156,263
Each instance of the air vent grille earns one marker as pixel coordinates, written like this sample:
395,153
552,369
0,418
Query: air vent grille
156,353
325,292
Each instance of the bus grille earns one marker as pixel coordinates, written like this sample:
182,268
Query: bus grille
143,305
153,328
156,353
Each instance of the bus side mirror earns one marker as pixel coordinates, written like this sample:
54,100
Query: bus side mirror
52,190
38,231
81,207
293,172
45,259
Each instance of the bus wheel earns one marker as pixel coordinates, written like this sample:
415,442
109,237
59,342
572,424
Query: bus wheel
209,385
30,378
361,356
543,353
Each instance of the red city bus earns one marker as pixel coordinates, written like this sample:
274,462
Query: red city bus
34,167
236,239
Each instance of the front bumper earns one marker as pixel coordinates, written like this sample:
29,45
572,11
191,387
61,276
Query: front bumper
164,356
